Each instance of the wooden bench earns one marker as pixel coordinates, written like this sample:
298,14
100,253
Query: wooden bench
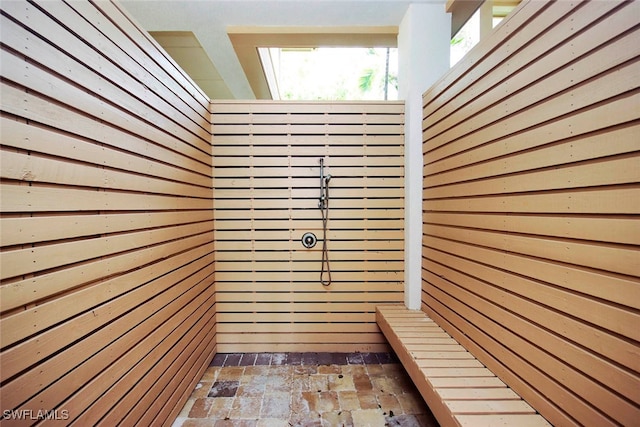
459,389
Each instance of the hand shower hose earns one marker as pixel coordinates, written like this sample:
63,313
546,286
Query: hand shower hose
323,204
324,209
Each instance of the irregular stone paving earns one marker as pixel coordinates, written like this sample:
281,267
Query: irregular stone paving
305,389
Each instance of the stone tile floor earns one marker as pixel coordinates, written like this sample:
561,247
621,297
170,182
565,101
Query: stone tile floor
305,389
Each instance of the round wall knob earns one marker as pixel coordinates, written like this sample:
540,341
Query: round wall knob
309,240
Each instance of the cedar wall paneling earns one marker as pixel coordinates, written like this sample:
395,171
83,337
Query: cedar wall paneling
266,182
106,288
531,203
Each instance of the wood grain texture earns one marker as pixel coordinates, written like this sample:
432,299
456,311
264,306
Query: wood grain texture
107,264
530,209
266,189
449,378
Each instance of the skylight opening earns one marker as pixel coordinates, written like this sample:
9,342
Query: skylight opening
465,39
478,26
330,73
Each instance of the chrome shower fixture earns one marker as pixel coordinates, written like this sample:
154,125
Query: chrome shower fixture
324,186
323,204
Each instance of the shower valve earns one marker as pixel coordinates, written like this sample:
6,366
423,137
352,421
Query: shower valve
309,240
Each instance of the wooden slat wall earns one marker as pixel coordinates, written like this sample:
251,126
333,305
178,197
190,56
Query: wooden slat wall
531,203
106,295
266,189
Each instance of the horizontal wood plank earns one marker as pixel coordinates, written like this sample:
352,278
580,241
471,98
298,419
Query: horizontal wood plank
530,237
465,376
107,260
266,197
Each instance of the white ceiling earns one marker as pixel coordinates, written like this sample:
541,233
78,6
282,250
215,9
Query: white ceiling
208,21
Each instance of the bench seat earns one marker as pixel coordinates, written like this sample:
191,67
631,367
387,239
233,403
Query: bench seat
459,389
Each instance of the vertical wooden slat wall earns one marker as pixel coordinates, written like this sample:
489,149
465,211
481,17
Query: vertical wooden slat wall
266,190
106,290
531,203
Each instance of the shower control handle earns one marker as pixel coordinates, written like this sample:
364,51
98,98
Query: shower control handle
309,240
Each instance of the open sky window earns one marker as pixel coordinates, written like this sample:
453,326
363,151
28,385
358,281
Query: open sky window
331,73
